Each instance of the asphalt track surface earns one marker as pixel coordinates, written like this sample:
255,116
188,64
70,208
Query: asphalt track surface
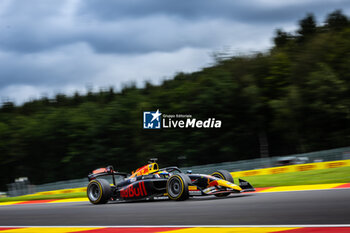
302,207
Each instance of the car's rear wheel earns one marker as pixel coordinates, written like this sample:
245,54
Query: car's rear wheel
99,191
177,187
224,175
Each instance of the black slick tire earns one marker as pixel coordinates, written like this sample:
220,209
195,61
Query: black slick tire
99,191
177,187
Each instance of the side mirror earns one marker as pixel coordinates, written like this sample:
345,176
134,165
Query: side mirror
189,172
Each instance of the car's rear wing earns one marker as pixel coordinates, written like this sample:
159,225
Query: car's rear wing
107,171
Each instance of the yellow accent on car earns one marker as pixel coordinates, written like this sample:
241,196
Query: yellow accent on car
145,170
227,184
192,188
219,174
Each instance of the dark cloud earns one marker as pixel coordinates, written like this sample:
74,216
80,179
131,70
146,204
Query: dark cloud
65,44
253,11
139,26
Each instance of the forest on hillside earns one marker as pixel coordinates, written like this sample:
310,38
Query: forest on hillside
294,98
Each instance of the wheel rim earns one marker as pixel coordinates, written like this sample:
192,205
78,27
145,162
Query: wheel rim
94,192
218,176
175,187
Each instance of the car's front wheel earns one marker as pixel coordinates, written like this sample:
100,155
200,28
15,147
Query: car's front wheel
177,187
224,175
99,191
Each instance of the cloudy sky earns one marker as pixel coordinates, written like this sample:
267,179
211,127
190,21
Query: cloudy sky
52,46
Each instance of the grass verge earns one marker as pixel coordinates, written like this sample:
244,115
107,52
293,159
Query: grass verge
324,176
43,197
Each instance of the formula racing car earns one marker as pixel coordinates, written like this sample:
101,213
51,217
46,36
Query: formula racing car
149,182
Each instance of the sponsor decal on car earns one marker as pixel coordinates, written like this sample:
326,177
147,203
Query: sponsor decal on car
194,193
134,190
141,171
192,188
99,170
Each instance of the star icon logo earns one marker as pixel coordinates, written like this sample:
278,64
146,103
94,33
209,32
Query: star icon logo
156,115
152,120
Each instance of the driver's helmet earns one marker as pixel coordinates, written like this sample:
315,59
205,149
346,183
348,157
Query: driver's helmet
164,174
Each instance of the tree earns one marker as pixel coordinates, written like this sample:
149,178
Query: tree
281,38
337,21
307,27
294,98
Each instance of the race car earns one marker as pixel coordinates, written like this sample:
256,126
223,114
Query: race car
150,182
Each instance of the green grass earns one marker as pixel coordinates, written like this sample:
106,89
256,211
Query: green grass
324,176
44,197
